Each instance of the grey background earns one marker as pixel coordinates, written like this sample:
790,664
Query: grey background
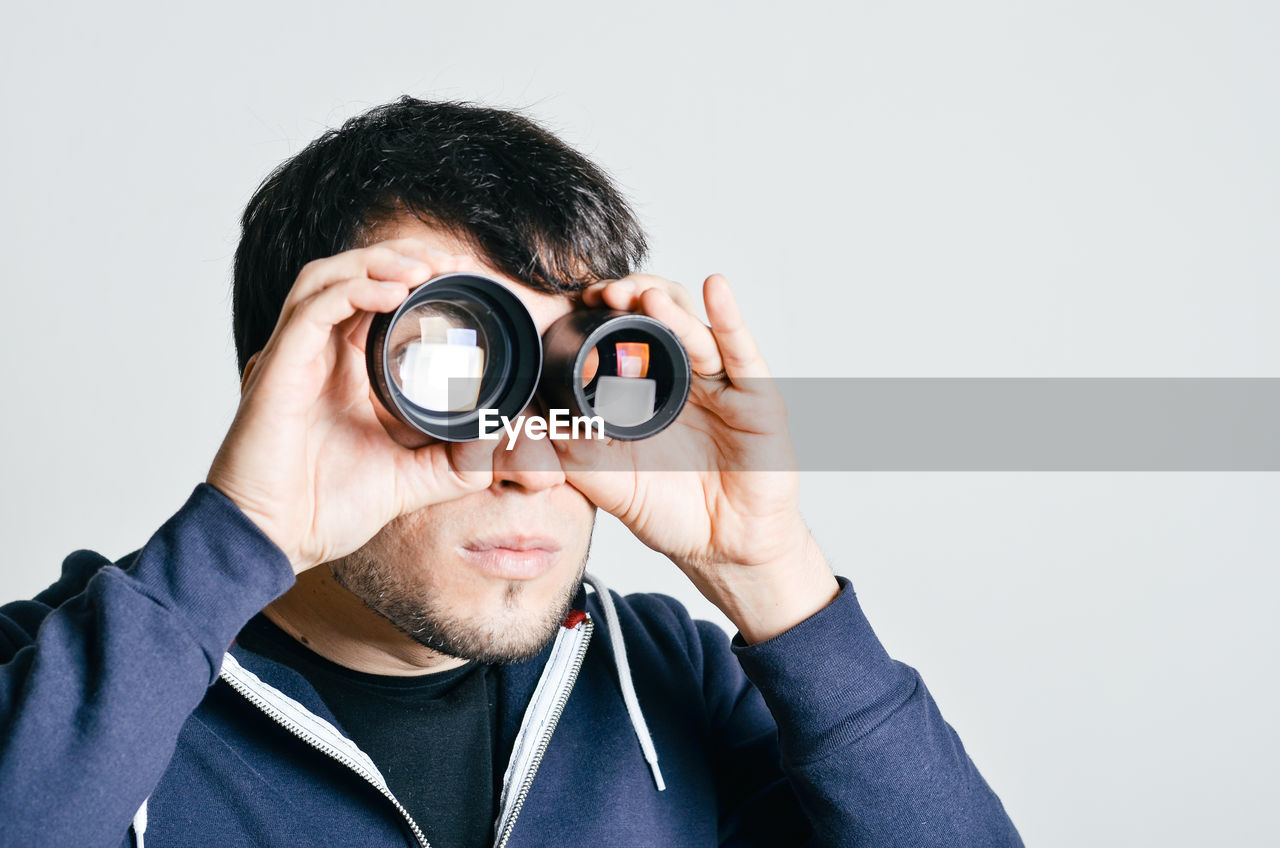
1071,189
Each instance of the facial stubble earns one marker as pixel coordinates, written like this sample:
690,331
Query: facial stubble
503,636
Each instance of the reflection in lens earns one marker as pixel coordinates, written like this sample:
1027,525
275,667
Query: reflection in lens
590,366
438,355
625,397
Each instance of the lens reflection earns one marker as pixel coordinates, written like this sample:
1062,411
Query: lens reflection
616,376
438,354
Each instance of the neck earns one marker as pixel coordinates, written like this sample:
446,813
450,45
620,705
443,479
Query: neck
339,627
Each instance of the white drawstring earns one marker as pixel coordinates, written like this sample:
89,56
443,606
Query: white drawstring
624,677
140,824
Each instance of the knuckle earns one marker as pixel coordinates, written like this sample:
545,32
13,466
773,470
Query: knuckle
349,287
307,307
308,271
647,280
338,291
411,242
381,252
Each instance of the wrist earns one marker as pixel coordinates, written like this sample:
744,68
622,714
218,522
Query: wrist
766,599
260,519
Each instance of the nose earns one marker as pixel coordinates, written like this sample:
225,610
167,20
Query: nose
531,464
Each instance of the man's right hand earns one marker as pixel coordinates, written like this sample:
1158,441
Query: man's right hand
307,458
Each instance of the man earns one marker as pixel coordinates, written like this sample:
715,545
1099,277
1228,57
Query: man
415,659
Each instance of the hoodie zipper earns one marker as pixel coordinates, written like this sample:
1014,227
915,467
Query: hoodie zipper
562,698
232,673
320,745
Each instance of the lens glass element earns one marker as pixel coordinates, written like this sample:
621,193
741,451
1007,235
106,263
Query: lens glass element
438,353
625,378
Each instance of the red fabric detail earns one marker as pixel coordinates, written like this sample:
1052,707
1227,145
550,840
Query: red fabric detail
573,619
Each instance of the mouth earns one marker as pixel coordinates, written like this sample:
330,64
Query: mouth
515,557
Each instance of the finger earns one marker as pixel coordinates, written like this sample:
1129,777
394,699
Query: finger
704,354
444,471
440,261
355,330
622,289
588,462
742,359
626,293
420,249
404,435
410,261
312,325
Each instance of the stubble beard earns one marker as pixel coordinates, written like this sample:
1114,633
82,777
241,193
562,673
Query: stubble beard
506,636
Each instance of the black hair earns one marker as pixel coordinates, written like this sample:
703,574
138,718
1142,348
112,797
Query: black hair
526,202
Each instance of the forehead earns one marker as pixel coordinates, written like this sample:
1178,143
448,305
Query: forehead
544,307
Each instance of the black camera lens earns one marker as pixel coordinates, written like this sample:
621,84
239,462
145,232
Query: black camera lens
459,344
629,370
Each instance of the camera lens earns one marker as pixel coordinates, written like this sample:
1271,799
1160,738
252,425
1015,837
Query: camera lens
628,369
458,344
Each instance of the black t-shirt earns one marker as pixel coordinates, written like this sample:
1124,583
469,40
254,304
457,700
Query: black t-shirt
432,736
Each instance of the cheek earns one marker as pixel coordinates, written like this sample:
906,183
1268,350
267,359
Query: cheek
575,506
433,528
412,546
575,515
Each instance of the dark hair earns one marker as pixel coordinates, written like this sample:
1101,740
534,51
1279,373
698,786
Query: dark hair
526,202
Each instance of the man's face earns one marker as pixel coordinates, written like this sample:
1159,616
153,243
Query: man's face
488,576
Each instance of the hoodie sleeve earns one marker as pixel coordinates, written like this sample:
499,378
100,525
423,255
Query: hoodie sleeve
868,755
99,673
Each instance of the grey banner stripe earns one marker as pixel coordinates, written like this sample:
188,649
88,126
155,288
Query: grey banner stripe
1002,424
1067,424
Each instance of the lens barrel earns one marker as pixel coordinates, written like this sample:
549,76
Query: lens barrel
629,369
459,344
462,343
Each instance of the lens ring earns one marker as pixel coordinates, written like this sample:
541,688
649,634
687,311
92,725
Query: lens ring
512,348
569,343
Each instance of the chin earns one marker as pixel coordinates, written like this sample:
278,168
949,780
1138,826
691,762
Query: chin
487,616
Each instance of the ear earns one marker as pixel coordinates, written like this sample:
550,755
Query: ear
248,369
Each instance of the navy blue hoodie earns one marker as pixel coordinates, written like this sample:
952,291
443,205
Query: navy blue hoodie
126,718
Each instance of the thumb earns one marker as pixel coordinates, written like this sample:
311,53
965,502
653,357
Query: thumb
473,461
446,470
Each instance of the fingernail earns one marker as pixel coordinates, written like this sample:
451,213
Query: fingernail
409,261
387,285
625,285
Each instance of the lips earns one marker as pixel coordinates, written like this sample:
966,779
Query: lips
513,557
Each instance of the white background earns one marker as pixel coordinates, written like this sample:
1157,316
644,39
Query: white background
910,189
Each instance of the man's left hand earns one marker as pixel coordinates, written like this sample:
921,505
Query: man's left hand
727,514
